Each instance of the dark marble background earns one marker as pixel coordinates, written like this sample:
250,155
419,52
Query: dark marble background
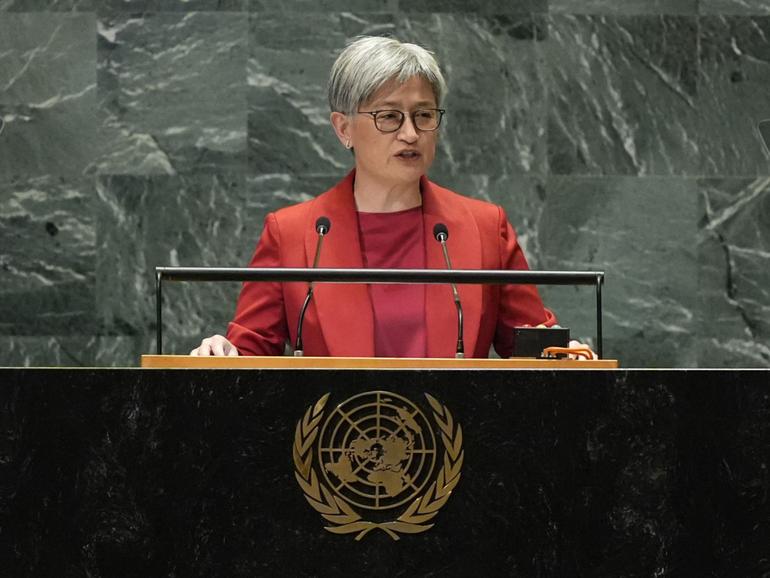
618,135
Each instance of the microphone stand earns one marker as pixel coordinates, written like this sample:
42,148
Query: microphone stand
322,226
441,233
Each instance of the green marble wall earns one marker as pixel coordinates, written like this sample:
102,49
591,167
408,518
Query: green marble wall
617,134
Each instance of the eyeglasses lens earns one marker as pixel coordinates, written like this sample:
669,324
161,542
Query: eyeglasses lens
391,120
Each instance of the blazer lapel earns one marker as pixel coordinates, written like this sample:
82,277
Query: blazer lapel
464,246
344,310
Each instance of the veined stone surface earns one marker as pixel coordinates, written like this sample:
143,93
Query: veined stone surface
642,233
746,7
733,94
172,96
685,7
622,95
47,256
144,222
733,264
47,93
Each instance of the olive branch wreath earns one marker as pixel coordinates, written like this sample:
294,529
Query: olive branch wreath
341,514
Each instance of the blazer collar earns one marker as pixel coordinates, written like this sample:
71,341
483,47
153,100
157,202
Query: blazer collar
345,310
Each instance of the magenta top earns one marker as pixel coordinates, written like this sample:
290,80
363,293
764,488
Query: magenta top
396,241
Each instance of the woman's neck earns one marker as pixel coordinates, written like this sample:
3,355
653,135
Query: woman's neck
372,197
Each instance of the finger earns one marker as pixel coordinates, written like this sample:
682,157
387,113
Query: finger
588,347
205,348
217,348
579,345
194,351
232,351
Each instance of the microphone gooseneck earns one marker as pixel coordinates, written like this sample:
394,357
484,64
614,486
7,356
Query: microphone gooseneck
322,226
441,233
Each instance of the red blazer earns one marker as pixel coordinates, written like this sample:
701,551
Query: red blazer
339,321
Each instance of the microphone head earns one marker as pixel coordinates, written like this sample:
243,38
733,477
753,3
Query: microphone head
322,225
440,230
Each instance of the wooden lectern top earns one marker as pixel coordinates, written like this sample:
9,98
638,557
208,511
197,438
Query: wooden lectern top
288,362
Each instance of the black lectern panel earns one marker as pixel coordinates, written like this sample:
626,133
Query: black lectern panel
573,473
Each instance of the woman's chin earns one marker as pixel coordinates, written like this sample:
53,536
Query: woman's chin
401,173
408,170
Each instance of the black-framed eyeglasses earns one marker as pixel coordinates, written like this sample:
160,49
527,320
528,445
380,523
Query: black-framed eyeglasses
424,119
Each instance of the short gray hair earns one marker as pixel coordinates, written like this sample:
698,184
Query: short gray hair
369,62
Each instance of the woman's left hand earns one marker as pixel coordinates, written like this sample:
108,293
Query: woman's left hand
575,344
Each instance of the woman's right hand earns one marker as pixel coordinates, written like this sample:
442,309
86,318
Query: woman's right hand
215,345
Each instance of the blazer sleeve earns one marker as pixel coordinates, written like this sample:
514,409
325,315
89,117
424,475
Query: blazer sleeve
259,325
519,304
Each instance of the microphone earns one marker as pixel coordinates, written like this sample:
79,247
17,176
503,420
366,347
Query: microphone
322,226
441,233
2,124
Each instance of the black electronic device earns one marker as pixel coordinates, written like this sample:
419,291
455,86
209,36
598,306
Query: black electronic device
531,341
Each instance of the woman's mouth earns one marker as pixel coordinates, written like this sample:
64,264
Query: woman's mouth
408,155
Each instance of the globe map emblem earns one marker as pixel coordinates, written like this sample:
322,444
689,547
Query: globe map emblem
377,450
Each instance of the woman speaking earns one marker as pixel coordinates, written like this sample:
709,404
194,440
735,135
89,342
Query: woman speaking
385,98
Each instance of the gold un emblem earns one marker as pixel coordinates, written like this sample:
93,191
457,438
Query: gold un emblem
378,456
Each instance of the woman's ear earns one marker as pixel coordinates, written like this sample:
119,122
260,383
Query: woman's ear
341,124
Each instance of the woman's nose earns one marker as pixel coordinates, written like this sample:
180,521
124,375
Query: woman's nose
408,131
